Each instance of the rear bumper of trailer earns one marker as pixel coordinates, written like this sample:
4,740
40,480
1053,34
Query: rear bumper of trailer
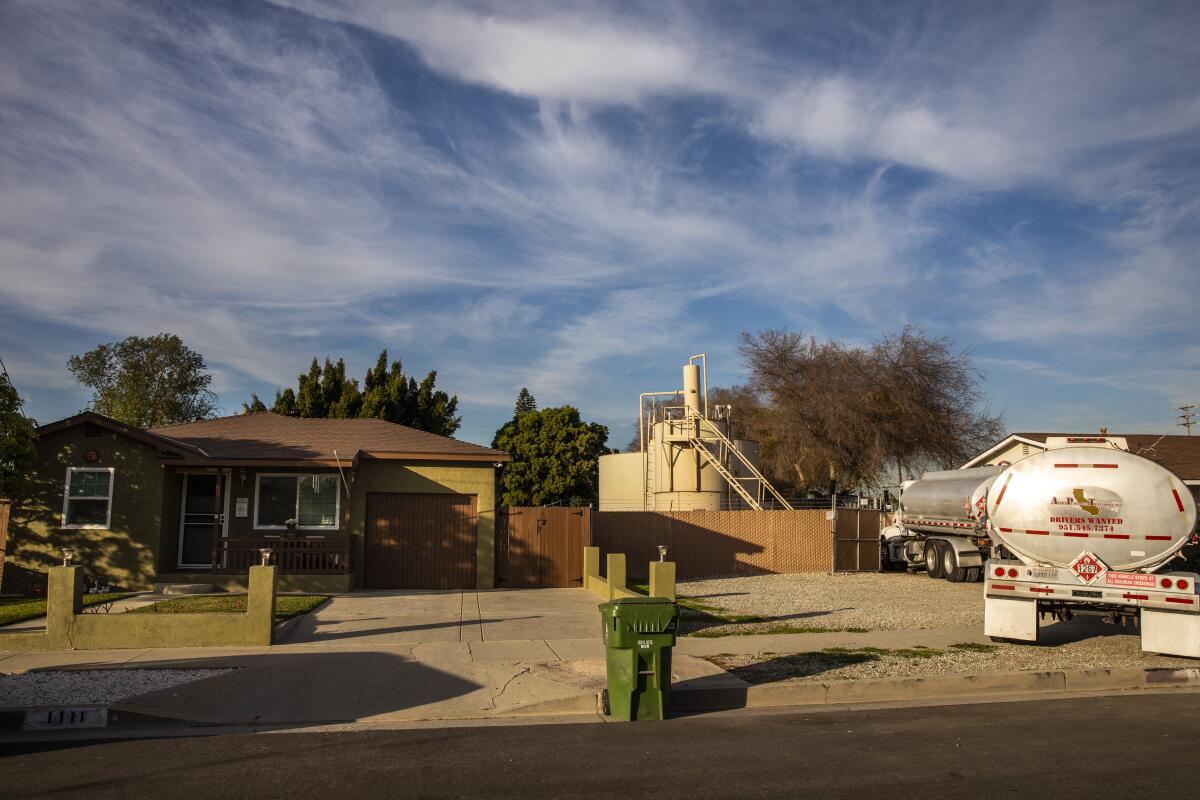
1166,606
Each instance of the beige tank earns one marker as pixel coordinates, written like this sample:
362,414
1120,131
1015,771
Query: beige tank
673,474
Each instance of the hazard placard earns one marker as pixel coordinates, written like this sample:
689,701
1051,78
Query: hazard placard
1087,568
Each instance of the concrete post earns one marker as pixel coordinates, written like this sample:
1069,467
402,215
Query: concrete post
64,599
662,579
260,603
616,573
591,567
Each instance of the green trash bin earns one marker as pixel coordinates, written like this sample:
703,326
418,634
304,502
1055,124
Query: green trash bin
639,633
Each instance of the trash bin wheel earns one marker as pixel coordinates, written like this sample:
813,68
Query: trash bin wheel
605,709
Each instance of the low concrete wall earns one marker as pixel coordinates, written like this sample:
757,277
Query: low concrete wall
69,628
613,584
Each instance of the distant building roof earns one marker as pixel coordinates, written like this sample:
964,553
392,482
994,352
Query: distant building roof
1180,454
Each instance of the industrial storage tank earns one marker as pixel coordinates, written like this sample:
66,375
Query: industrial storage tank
1129,511
687,460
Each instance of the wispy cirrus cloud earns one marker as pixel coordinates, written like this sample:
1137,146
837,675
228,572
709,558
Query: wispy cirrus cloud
539,193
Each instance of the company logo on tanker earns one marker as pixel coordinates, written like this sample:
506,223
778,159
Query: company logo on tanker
1101,510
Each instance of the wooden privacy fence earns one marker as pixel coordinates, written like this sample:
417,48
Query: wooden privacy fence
708,543
539,548
543,547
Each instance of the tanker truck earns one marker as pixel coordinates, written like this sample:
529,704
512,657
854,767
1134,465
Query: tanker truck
1073,530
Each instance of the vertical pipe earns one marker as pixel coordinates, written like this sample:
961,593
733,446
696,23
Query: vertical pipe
642,444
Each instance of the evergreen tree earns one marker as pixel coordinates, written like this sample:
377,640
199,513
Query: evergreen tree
254,405
387,393
525,402
285,403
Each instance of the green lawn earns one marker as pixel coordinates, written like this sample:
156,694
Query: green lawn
19,609
286,605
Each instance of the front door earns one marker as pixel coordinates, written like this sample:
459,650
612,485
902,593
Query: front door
203,518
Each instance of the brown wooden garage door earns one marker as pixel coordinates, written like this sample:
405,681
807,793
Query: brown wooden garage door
420,541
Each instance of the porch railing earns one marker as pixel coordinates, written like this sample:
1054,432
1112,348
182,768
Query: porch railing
307,556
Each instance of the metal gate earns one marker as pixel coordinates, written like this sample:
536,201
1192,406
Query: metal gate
856,540
420,541
541,548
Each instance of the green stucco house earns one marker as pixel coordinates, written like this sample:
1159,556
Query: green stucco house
338,503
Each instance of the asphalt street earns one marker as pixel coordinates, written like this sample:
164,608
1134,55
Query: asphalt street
1094,747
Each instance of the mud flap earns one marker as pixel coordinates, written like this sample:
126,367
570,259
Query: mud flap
1170,633
1010,619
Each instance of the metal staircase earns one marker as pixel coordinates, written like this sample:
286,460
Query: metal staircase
706,432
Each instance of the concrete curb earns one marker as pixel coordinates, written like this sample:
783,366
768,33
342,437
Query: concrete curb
933,687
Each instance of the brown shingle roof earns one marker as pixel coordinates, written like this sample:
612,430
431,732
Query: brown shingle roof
1180,454
270,437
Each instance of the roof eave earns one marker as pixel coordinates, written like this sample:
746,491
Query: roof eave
130,431
496,457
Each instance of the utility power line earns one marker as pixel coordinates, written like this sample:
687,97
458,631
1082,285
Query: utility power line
1187,418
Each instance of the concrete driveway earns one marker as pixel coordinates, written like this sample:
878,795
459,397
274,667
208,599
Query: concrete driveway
418,616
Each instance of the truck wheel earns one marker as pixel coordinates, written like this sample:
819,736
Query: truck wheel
950,568
933,559
974,575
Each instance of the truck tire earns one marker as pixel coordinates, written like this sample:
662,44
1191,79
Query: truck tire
974,575
933,559
950,568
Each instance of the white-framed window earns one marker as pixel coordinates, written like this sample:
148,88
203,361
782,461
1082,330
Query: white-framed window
87,498
313,501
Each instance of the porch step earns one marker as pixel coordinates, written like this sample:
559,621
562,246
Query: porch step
185,588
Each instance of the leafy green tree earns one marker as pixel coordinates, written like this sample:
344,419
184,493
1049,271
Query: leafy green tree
146,381
555,457
525,402
17,436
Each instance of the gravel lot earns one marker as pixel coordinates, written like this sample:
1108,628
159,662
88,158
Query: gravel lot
91,687
871,601
1102,651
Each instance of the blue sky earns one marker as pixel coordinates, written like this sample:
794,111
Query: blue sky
577,197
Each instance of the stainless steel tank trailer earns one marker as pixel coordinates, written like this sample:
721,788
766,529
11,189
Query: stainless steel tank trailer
1080,528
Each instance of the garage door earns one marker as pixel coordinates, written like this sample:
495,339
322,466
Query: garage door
420,541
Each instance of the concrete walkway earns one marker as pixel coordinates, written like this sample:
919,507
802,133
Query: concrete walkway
406,617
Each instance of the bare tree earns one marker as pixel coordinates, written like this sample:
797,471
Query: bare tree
829,413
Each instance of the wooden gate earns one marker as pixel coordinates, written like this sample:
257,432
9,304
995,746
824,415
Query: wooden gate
541,548
856,540
420,541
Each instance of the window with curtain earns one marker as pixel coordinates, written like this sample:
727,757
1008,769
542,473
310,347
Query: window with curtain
87,501
311,500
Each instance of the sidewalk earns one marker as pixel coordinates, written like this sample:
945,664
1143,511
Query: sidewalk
328,683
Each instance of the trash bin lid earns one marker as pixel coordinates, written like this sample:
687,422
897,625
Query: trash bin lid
640,600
